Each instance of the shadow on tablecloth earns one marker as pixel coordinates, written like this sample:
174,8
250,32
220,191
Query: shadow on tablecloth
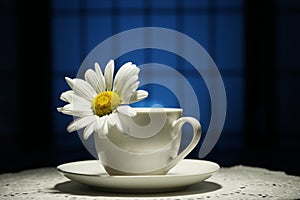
74,188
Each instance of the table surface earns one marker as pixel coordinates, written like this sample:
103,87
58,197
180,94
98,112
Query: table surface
237,182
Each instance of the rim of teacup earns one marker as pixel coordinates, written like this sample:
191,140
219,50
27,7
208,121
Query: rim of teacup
157,109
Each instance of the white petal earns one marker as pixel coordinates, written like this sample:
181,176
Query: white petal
92,78
123,75
78,111
71,97
83,89
67,96
108,74
126,110
105,127
138,96
111,119
101,126
70,82
125,96
80,123
100,76
98,123
89,129
98,69
127,83
119,75
80,101
128,86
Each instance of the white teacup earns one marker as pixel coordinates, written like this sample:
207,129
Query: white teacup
149,146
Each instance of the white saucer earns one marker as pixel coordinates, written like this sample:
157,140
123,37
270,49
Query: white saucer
184,174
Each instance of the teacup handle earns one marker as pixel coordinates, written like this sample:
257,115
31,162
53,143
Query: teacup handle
197,131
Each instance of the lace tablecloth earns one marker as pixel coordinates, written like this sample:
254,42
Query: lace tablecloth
238,182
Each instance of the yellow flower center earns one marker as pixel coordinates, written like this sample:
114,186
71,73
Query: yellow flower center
105,102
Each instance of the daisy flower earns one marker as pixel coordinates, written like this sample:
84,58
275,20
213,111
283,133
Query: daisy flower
101,101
